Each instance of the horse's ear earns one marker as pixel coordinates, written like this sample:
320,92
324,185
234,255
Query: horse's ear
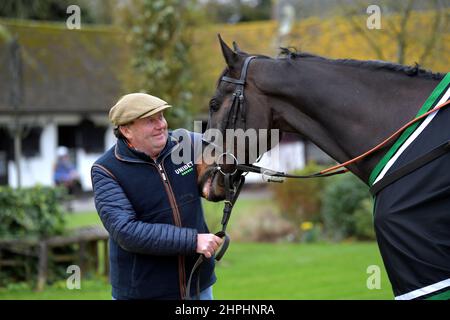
237,49
230,56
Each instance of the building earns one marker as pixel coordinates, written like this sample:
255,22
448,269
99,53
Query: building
70,80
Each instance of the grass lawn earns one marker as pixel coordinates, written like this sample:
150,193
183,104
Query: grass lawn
213,213
255,270
82,219
266,271
299,271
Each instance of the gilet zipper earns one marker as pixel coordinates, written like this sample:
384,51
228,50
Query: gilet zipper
177,221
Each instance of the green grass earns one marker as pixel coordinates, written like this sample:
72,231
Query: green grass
299,271
213,213
96,289
266,271
255,270
82,219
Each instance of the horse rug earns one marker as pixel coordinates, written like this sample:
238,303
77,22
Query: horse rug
412,213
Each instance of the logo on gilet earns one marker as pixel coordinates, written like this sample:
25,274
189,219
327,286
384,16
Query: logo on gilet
184,170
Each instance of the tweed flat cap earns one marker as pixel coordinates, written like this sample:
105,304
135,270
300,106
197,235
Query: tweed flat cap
135,106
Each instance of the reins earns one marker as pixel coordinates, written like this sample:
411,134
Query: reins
232,191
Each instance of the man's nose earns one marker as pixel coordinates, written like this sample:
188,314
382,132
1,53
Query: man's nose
160,123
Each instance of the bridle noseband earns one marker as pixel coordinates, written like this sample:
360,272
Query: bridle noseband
238,103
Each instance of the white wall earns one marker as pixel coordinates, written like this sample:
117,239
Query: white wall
86,160
39,169
110,138
285,158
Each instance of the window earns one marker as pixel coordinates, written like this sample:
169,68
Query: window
67,136
86,135
92,137
31,142
7,144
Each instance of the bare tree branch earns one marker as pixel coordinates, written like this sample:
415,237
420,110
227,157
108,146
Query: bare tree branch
435,34
402,38
352,15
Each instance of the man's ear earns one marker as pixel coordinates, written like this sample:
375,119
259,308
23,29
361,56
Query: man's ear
125,130
231,57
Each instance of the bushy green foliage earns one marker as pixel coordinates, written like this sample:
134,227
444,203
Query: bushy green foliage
31,212
347,208
300,199
364,229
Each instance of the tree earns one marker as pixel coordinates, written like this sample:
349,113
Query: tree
161,34
397,26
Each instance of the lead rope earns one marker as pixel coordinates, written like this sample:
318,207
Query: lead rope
231,195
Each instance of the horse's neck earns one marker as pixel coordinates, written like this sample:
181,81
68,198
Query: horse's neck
343,109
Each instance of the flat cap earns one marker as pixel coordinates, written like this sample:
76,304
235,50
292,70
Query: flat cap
135,106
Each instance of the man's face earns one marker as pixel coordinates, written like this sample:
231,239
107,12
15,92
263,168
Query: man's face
148,134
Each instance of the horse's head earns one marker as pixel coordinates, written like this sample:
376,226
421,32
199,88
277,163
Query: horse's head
239,123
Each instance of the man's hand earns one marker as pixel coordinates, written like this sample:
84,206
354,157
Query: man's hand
207,244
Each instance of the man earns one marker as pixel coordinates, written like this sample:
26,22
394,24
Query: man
64,172
151,210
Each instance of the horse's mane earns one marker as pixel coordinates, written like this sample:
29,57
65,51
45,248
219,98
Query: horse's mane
412,71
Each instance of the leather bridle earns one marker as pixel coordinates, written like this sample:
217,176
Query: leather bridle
238,108
238,103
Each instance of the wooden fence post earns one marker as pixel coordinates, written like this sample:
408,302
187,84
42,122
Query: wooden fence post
43,265
106,257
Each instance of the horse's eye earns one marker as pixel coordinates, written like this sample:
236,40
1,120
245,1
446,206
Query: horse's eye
214,105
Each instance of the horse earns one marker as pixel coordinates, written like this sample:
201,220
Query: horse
344,106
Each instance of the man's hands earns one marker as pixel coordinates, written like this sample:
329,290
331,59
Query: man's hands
207,244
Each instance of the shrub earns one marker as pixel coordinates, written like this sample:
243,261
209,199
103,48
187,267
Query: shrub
28,214
299,200
347,208
311,232
265,226
31,212
364,229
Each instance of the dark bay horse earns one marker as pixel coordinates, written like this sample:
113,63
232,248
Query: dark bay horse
343,106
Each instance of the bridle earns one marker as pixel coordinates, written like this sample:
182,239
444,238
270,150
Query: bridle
238,108
233,185
238,103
